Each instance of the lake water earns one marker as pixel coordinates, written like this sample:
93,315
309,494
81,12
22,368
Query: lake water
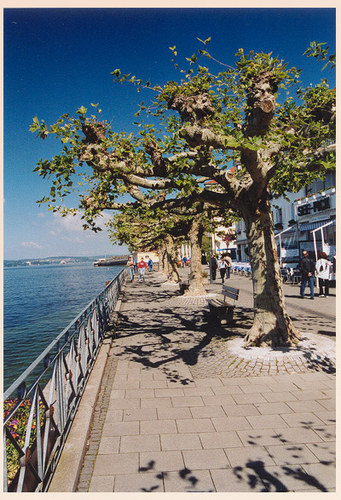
39,302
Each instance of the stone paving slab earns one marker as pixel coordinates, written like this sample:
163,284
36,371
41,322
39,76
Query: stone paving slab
179,420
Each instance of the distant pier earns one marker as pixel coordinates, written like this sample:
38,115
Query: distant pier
110,262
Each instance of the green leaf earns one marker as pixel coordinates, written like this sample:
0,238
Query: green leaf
82,111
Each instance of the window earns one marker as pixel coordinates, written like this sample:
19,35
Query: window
279,216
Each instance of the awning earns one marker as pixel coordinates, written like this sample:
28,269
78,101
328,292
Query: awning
314,225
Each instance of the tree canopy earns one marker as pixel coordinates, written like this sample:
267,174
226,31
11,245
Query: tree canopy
254,115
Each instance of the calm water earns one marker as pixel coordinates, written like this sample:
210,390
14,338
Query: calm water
39,302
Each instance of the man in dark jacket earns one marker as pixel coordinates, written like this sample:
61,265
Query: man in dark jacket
307,266
213,267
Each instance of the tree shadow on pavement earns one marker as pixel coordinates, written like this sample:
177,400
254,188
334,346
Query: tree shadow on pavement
272,482
160,346
253,476
281,478
188,480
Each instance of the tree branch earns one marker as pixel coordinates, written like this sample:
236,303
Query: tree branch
199,136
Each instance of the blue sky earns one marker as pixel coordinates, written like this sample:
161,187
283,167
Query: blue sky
56,60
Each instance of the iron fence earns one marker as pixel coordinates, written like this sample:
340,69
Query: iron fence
39,407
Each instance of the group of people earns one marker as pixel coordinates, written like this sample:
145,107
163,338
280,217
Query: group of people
224,264
139,267
322,268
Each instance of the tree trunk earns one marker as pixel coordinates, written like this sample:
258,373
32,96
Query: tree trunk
272,325
161,255
165,263
196,280
170,261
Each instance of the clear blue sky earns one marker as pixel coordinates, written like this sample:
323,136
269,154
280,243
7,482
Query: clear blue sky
56,60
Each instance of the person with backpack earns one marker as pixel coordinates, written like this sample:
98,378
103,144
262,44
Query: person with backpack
323,271
307,267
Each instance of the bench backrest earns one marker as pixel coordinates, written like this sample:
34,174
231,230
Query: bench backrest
232,293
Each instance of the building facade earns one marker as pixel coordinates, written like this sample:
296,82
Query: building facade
304,221
223,240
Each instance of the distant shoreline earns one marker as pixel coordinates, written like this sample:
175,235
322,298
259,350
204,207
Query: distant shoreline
56,260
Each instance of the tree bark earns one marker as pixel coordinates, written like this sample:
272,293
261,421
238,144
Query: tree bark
271,326
160,253
196,280
170,261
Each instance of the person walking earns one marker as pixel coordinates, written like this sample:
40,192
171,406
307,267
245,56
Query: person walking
213,267
130,264
228,261
142,266
150,265
222,268
307,266
323,270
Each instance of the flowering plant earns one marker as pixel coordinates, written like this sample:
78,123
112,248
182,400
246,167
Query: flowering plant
17,426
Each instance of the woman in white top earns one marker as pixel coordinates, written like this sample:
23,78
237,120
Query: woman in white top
222,268
323,271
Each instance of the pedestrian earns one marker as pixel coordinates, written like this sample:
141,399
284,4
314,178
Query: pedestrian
130,264
150,264
307,267
142,266
228,261
184,261
323,270
213,267
222,268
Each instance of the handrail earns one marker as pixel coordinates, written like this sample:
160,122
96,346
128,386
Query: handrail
40,405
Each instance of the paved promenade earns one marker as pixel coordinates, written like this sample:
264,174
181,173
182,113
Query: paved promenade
184,407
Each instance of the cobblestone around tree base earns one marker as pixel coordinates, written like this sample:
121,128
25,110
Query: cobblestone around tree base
229,358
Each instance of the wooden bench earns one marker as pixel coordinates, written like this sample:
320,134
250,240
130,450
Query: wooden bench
221,309
184,285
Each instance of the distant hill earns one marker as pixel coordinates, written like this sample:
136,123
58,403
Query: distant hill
57,260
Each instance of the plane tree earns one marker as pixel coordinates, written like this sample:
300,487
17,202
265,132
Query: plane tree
208,121
141,229
145,227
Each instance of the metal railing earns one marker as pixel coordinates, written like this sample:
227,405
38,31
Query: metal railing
39,407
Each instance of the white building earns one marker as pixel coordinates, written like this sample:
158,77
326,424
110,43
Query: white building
223,239
304,221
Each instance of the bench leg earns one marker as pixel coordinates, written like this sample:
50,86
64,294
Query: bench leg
222,316
227,317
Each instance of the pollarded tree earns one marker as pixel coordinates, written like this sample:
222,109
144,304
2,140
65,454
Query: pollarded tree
141,229
211,120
